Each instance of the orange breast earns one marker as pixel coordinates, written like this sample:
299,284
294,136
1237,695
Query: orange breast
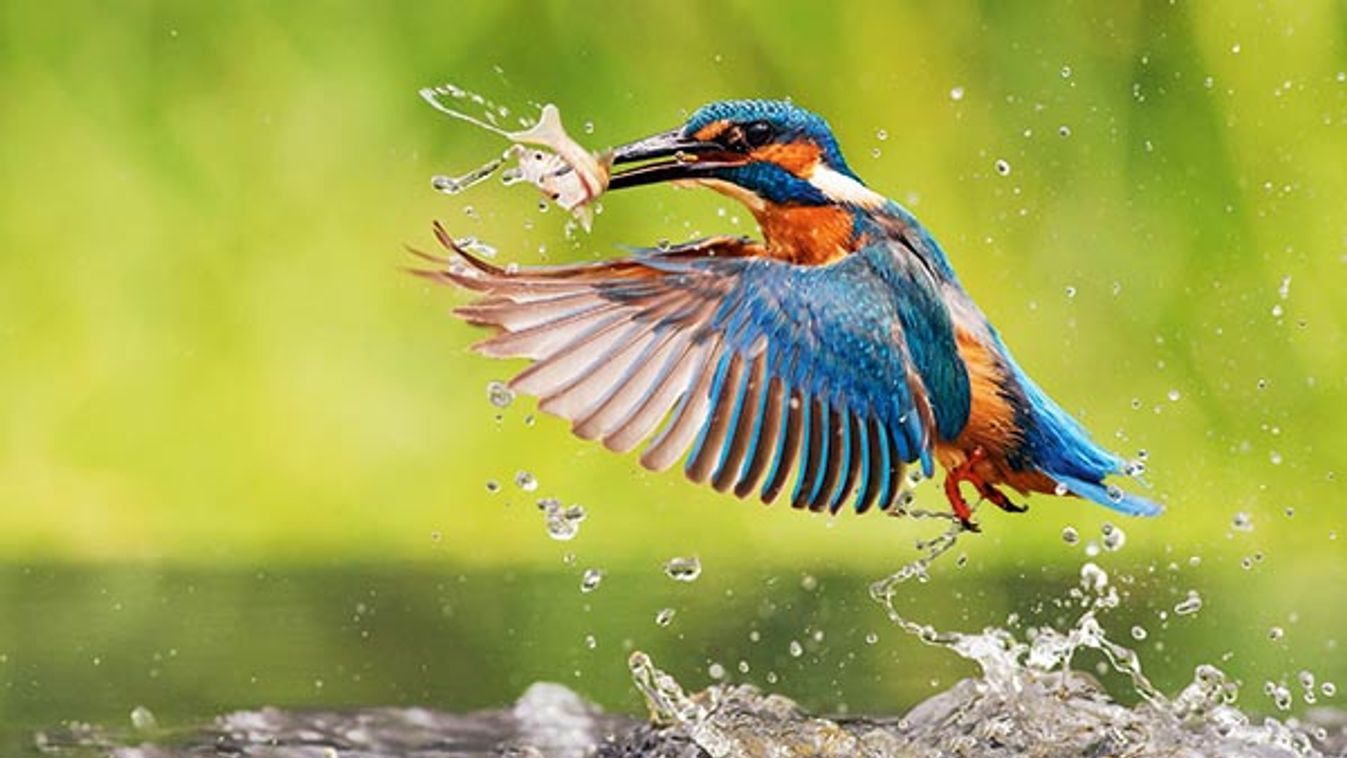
811,235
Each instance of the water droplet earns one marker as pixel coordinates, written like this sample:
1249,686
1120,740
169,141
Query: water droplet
1329,689
589,127
492,486
665,616
1235,48
1280,694
683,569
1275,458
1275,633
956,93
796,649
1002,167
1066,72
1114,493
589,581
1138,633
1242,522
525,481
871,638
715,671
1093,578
143,719
1063,131
499,395
1114,538
881,135
808,583
591,641
1069,535
562,523
1070,292
1173,396
1061,490
1189,605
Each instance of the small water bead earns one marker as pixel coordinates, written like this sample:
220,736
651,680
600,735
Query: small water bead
1066,72
1061,490
499,394
1114,493
881,135
1242,522
1173,396
590,580
808,583
1002,167
1138,633
796,649
1063,131
1280,694
665,616
1276,633
143,719
1114,538
562,523
1275,458
589,127
492,486
1329,689
1070,292
715,671
525,481
872,638
591,641
956,94
1069,534
743,667
1093,578
682,569
1190,604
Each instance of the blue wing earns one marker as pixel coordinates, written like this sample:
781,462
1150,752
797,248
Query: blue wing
758,368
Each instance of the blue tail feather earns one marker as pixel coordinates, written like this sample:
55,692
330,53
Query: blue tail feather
1110,497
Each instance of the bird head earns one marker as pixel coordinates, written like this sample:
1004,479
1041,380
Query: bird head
762,152
775,157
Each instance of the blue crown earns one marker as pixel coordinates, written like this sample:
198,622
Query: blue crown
790,121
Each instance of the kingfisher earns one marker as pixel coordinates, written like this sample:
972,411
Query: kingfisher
828,355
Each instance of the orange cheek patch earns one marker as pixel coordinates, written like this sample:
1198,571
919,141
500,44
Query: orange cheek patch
799,158
712,130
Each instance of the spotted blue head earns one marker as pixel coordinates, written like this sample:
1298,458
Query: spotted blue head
762,152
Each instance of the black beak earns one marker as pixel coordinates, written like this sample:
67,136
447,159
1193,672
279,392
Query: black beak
665,157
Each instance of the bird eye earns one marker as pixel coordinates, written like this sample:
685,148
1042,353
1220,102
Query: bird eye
757,133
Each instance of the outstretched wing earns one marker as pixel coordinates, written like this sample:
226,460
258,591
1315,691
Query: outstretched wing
755,366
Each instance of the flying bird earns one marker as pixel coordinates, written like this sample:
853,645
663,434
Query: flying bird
827,356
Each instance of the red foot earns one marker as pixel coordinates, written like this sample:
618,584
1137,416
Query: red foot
964,473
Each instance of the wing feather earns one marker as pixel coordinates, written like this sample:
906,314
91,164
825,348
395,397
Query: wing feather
754,371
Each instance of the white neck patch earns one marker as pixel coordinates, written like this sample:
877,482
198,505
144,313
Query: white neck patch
843,188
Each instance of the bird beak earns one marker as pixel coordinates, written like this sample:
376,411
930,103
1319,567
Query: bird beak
666,157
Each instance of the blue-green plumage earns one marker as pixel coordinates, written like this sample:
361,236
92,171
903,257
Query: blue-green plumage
836,350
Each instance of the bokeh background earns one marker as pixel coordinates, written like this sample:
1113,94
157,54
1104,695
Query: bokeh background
245,459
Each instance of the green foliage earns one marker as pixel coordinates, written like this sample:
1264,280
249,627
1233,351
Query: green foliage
207,351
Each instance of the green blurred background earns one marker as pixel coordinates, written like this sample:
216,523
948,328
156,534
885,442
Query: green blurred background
244,459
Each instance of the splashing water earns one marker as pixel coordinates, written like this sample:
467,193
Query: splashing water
547,157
